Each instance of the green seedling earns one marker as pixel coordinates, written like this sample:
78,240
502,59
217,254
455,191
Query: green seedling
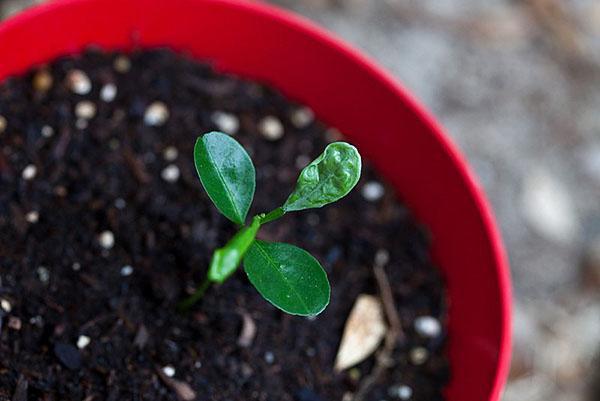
287,276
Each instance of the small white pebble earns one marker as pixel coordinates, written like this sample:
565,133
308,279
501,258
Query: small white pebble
313,219
79,82
81,124
197,364
405,393
29,172
302,117
170,173
6,306
418,355
226,122
271,128
106,239
108,93
122,64
372,191
269,357
42,81
43,274
333,134
120,203
302,161
60,191
32,217
85,110
428,326
126,271
401,391
83,341
382,257
76,266
3,124
156,114
149,157
14,323
169,371
170,154
47,131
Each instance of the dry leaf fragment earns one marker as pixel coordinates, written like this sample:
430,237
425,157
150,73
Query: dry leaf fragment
183,390
142,337
365,328
248,332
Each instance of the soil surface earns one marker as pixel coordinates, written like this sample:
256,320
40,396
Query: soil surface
104,227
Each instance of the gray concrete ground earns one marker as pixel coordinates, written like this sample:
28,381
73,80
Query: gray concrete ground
516,83
517,86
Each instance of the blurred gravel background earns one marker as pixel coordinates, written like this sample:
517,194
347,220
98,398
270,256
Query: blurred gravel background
516,83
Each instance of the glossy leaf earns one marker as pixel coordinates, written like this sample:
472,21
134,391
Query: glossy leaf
327,179
227,174
288,277
226,260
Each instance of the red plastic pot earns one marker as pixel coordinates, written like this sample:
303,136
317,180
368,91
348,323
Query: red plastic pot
349,92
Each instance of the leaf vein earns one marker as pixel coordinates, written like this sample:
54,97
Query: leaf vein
227,191
296,293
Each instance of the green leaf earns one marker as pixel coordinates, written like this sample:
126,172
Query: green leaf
327,179
288,277
226,260
227,174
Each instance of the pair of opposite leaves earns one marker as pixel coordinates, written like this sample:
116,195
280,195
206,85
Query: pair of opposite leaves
287,276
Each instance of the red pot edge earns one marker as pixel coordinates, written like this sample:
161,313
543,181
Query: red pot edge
474,187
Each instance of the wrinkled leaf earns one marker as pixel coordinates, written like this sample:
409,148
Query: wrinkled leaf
288,277
365,328
226,260
327,179
227,174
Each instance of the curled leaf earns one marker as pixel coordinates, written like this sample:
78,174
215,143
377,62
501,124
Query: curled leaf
227,174
288,277
365,328
327,179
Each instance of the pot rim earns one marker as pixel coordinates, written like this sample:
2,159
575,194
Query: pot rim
473,186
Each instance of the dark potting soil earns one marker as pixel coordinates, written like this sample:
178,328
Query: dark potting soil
104,227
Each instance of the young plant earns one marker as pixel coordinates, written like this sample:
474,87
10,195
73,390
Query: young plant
285,275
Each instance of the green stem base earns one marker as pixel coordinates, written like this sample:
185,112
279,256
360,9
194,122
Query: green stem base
186,304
